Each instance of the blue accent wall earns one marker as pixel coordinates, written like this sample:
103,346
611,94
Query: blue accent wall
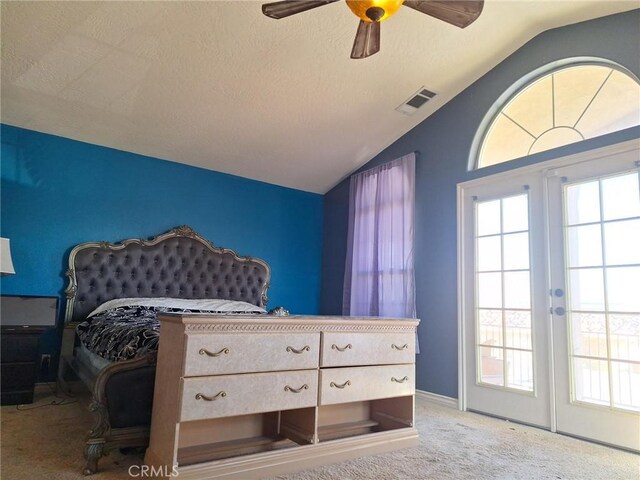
57,193
444,141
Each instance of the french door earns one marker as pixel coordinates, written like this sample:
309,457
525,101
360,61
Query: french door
595,282
550,296
507,328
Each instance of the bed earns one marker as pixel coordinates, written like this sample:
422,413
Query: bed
179,264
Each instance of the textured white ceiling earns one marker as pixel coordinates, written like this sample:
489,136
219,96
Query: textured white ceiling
220,86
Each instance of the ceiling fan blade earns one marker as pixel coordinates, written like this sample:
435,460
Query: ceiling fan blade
367,40
460,13
291,7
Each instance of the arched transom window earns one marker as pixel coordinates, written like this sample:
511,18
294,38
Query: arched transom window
570,104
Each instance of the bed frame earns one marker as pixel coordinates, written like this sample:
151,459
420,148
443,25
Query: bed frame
178,264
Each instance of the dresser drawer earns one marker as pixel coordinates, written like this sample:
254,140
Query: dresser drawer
342,385
215,354
344,349
228,395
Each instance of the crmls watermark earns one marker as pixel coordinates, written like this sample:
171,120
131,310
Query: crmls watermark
146,471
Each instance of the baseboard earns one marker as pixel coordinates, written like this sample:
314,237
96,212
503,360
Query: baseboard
439,399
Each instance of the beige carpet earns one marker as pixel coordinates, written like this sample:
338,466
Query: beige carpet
46,443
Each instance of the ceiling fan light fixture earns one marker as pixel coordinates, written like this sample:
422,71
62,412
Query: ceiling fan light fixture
374,10
460,13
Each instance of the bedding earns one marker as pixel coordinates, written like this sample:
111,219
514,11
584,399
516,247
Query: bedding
127,328
93,362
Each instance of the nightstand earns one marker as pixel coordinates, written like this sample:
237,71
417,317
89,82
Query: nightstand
23,320
19,361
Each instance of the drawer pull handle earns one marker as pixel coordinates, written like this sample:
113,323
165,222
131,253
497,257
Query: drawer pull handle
306,348
296,390
403,347
402,380
345,384
204,351
200,396
341,349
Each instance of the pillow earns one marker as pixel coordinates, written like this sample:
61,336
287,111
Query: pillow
207,304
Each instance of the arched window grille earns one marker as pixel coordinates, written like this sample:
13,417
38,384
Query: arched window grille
559,104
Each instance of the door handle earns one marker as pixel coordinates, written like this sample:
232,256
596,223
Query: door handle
559,311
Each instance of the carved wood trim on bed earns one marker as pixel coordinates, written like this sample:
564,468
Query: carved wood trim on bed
103,437
179,264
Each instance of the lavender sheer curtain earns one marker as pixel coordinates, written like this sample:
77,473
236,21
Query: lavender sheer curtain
379,274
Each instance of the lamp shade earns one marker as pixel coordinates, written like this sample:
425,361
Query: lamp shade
6,265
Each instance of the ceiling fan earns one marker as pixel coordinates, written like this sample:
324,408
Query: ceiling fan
460,13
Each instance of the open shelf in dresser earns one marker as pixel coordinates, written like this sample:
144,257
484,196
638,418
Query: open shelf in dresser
359,418
218,438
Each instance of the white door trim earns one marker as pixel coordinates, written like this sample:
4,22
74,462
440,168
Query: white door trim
552,368
462,357
567,160
462,277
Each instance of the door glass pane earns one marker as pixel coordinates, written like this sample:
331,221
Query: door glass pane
589,333
517,290
626,385
518,329
488,218
605,347
587,289
625,336
516,251
591,380
490,290
519,369
583,203
515,214
489,254
622,242
623,289
490,322
491,365
584,246
503,294
620,197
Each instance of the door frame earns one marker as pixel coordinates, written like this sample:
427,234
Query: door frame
541,168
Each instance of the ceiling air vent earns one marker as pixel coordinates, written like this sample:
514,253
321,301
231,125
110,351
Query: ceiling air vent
421,97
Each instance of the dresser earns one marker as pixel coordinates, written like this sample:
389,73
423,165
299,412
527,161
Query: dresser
250,397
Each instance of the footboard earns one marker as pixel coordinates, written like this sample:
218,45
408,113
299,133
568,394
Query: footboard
122,402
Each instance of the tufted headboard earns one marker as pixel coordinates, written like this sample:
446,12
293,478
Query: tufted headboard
177,264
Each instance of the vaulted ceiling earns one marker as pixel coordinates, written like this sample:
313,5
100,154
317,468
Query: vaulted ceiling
218,85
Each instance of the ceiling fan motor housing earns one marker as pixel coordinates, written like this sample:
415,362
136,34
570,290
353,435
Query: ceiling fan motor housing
374,10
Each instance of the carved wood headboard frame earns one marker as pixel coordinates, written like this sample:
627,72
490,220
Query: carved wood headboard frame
179,263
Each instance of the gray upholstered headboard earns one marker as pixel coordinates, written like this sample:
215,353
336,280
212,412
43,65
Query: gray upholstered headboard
177,264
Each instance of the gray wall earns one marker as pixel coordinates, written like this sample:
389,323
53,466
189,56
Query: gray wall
444,141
